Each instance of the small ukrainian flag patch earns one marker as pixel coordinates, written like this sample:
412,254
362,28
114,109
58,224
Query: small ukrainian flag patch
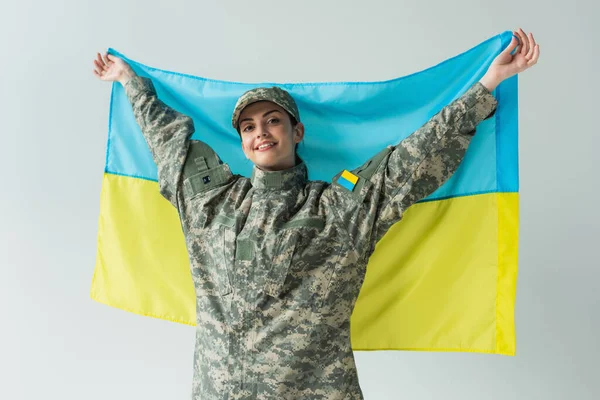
348,180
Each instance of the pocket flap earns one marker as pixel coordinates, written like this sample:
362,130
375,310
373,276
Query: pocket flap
282,258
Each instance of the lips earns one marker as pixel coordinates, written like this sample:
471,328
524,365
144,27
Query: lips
266,148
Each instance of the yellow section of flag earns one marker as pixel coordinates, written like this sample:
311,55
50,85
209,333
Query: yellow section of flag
421,291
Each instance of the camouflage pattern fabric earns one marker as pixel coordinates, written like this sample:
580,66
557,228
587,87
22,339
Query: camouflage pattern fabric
278,261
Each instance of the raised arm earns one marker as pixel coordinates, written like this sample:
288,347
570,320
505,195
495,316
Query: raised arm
400,175
386,185
166,131
425,160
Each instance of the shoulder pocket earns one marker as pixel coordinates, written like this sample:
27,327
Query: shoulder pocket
203,170
364,173
368,169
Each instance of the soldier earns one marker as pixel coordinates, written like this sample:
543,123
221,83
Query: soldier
278,261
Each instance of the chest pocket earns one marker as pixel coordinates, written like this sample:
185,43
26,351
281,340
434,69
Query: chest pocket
203,170
215,276
300,259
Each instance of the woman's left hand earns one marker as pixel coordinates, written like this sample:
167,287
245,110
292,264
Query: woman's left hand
506,64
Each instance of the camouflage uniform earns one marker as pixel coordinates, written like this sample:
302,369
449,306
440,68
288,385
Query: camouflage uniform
278,261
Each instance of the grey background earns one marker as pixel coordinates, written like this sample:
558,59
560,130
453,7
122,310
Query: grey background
56,343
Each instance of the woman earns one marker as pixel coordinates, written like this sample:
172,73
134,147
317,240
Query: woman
278,261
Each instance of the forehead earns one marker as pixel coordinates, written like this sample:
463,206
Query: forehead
256,110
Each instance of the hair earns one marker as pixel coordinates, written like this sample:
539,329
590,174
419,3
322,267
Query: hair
294,123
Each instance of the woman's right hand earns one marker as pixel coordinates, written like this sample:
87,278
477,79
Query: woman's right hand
112,69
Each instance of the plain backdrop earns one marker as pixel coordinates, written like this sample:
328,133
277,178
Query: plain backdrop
56,343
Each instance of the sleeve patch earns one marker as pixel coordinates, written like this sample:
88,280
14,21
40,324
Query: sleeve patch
348,180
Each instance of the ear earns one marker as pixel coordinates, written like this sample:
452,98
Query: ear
298,132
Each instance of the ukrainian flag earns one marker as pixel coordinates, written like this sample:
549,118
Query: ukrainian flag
442,279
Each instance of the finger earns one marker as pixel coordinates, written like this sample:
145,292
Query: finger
531,46
98,66
100,60
517,37
105,59
524,41
519,47
98,74
536,55
512,45
111,59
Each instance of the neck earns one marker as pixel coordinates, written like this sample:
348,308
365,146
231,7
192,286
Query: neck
282,167
295,176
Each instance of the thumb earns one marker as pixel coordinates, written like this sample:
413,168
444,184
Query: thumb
512,45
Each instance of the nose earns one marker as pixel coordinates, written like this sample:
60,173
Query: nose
260,131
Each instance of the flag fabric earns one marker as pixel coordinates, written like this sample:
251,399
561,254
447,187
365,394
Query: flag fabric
442,279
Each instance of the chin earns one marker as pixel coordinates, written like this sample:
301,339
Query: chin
265,164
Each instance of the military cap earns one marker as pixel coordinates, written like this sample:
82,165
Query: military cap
273,94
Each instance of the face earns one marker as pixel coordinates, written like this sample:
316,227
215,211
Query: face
266,123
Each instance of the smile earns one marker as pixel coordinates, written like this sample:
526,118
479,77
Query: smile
266,146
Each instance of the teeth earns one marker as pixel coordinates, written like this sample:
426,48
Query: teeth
264,146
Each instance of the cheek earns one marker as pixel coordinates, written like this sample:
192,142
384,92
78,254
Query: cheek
284,134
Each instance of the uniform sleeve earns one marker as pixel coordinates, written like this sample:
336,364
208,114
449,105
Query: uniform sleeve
166,131
403,174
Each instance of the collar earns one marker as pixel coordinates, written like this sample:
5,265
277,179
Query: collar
284,179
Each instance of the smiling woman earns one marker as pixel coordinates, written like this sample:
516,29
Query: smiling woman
277,260
268,137
268,123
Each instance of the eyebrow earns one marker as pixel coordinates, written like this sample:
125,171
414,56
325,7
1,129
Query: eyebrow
264,115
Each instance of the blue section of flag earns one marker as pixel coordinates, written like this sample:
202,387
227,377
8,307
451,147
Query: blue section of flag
347,122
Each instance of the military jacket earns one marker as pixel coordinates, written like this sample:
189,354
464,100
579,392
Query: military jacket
277,261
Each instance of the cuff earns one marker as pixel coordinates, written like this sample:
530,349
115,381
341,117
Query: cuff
138,85
481,101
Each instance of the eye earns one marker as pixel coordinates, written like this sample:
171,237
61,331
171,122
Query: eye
247,128
273,120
